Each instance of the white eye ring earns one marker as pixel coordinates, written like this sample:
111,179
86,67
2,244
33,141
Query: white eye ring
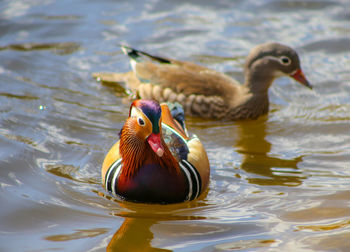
284,60
140,121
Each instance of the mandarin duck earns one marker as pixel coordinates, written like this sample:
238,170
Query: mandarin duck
207,93
155,161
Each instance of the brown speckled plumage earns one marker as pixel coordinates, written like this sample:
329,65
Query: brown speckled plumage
207,93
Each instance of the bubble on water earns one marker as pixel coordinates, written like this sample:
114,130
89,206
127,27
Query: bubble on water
42,107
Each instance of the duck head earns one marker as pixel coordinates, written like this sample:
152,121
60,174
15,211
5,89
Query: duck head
269,61
144,123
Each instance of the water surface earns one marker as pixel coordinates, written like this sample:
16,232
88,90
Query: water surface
280,183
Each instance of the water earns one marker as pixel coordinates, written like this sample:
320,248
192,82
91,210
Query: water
280,183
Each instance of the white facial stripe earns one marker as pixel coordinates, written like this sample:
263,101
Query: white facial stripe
279,73
278,59
272,58
135,112
284,60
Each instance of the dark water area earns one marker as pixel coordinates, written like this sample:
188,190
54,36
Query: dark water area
279,183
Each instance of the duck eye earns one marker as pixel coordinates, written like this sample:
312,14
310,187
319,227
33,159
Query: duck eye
140,121
285,60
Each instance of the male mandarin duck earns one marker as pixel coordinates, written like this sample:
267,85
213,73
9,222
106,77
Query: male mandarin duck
155,161
207,93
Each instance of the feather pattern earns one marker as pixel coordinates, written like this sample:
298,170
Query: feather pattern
207,93
136,151
141,174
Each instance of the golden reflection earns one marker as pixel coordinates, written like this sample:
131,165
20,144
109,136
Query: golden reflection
326,227
134,235
254,147
244,245
78,234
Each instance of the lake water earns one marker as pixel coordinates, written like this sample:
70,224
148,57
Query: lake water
280,183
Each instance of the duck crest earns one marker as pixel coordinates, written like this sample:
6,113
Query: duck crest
151,109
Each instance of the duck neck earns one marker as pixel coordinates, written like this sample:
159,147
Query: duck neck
136,153
254,106
258,80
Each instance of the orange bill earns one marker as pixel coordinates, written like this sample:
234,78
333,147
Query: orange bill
299,76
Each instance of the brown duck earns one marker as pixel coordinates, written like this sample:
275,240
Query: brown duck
207,93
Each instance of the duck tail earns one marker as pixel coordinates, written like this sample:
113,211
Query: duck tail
138,55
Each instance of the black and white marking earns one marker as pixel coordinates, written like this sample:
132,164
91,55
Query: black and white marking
112,175
193,178
191,174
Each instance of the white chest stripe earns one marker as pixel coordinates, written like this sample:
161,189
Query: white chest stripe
191,174
193,177
112,177
189,179
115,179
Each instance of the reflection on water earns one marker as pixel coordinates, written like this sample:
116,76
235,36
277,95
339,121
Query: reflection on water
78,234
59,48
289,189
138,232
251,142
134,235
